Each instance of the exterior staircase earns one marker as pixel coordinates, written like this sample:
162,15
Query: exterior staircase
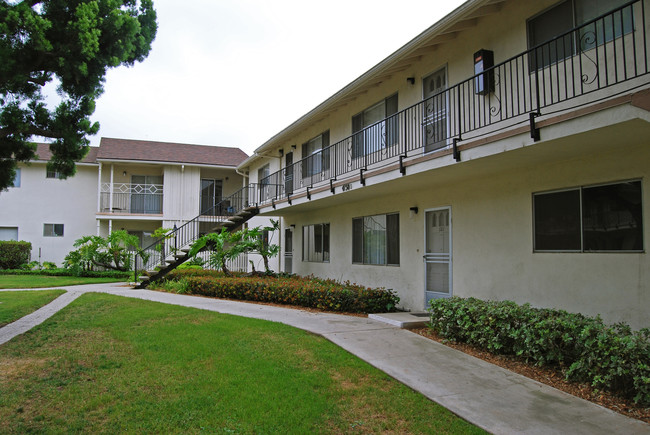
173,249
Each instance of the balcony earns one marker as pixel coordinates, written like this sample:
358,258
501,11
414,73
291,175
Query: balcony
601,59
128,198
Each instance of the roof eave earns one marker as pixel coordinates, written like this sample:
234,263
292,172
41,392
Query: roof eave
437,28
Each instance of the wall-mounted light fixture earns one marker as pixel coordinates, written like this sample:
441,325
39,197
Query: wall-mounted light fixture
293,225
411,80
281,152
124,173
414,211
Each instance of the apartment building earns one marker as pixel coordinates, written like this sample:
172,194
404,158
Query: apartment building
123,184
502,154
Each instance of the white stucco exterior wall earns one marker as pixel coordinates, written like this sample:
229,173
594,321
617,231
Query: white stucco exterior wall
40,200
492,235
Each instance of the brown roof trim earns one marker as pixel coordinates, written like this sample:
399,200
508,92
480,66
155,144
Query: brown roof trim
168,152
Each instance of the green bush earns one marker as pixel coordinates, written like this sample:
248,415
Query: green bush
69,272
290,290
612,358
14,254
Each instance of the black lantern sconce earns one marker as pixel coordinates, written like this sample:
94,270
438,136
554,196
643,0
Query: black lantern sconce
483,83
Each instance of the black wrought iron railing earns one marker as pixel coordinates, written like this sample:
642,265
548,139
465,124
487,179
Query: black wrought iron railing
183,236
567,71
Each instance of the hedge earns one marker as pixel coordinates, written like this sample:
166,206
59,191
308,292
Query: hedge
14,254
289,290
609,357
70,272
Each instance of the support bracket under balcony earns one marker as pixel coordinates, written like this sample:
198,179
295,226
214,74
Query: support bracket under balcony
361,179
402,168
308,194
455,150
273,203
332,185
534,131
289,199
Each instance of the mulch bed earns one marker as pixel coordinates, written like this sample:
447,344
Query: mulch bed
549,376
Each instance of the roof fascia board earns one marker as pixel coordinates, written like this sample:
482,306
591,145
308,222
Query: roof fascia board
156,162
437,28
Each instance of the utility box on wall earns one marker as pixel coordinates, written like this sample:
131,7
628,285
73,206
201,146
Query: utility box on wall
483,83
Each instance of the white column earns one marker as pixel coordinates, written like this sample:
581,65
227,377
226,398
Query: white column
110,202
99,189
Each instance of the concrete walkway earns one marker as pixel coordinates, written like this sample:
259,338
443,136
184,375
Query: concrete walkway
493,398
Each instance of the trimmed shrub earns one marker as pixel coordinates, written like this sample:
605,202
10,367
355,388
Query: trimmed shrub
69,272
289,290
609,357
14,254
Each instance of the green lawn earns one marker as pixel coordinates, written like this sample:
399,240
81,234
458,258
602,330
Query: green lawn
14,305
112,364
37,281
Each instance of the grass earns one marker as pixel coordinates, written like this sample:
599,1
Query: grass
14,305
37,281
112,364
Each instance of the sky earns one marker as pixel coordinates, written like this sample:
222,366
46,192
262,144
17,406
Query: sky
236,72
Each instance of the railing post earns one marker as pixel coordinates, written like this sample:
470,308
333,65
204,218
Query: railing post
175,240
135,267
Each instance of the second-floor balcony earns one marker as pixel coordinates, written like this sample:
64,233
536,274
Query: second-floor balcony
601,59
129,198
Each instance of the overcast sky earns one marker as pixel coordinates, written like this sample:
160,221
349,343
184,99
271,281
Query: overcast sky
236,72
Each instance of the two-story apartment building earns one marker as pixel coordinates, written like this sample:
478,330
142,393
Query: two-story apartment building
137,186
503,153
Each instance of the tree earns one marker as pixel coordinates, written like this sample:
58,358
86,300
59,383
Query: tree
111,252
259,241
223,246
226,246
70,43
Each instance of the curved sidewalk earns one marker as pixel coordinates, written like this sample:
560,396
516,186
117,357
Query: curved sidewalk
493,398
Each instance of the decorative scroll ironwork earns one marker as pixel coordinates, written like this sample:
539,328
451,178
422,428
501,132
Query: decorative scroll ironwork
588,39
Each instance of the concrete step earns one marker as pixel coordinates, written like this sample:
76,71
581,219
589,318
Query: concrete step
404,320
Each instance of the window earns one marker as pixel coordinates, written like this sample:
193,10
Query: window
53,230
263,173
146,194
606,218
211,195
8,233
53,174
569,14
316,243
264,182
315,155
375,239
16,182
375,128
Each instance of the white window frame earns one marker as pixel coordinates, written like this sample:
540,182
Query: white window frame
50,230
580,190
386,254
310,253
16,181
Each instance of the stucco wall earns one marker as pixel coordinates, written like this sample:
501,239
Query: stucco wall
492,237
40,200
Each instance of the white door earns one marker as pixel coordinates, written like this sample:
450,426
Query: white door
437,258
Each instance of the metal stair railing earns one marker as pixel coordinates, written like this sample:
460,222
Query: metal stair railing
173,247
